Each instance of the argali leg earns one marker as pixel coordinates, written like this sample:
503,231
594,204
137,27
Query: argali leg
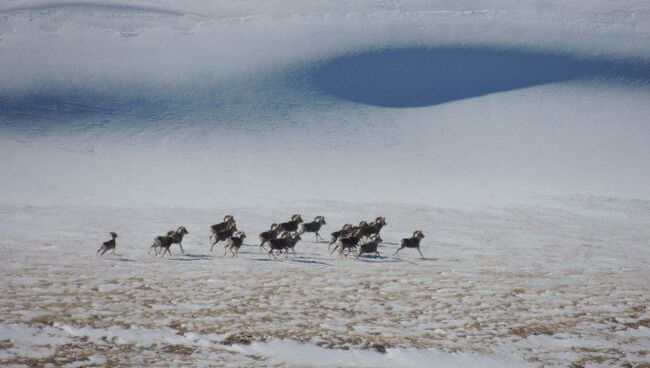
182,250
420,253
334,250
397,251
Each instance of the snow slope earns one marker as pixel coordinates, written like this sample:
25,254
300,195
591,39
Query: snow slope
473,101
515,133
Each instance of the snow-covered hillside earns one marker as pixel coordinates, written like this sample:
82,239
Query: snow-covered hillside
154,102
516,134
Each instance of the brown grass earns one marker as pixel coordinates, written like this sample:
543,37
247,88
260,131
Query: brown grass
43,320
525,331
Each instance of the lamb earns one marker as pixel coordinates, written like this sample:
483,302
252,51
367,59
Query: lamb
177,236
285,241
223,235
228,221
234,243
292,225
108,245
313,227
337,234
412,242
346,243
268,235
370,247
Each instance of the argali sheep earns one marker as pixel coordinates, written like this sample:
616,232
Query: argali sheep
108,245
412,242
348,243
234,243
313,227
369,247
337,234
290,226
177,236
162,242
267,235
228,222
374,227
284,242
223,235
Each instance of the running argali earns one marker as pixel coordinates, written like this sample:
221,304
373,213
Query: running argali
290,226
234,243
313,227
108,245
412,242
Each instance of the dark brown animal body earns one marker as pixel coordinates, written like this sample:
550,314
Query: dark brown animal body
412,242
370,247
290,226
108,245
313,227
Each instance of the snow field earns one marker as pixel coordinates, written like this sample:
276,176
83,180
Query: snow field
516,284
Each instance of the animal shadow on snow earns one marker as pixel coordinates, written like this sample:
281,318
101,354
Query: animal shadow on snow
189,257
309,261
117,257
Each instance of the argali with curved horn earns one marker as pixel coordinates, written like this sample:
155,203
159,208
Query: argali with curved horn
267,235
313,227
228,222
412,242
177,236
292,225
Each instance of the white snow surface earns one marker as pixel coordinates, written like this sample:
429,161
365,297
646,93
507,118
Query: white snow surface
560,282
205,103
516,134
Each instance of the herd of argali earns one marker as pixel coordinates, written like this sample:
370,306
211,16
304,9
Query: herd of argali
358,240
